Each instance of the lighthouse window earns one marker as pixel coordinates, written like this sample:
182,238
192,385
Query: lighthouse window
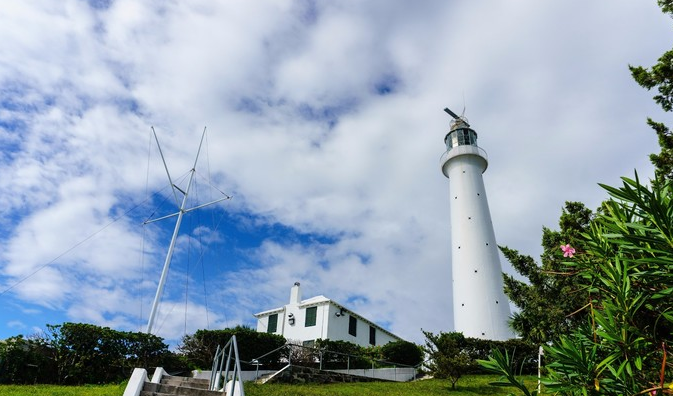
472,137
454,139
461,137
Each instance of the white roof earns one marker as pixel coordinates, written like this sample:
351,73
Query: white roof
315,300
310,301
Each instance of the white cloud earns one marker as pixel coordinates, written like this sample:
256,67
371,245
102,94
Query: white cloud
324,124
16,324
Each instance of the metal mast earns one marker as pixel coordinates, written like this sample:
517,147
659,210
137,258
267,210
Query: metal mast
180,213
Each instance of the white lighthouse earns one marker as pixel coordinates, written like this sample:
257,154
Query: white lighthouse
480,307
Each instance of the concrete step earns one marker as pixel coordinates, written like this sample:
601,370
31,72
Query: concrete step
190,382
146,393
185,389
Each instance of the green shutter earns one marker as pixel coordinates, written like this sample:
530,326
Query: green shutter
273,323
353,326
311,314
372,335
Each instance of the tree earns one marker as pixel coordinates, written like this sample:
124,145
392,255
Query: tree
403,352
199,349
448,359
660,77
550,301
625,345
624,348
343,354
26,361
79,353
88,354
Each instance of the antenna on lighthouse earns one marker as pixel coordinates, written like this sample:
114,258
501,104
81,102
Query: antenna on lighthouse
180,213
456,116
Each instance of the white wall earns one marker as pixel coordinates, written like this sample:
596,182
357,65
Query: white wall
338,329
400,374
480,307
299,331
328,325
263,323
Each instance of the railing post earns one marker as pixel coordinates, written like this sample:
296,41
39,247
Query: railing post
229,349
215,373
221,364
540,352
238,370
213,368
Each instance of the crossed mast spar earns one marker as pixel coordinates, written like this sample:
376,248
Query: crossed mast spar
181,204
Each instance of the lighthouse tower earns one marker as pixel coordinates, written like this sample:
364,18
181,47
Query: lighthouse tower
480,307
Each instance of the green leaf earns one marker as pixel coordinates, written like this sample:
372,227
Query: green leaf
638,361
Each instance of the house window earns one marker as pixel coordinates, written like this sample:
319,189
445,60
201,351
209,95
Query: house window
372,335
273,324
308,344
311,314
353,326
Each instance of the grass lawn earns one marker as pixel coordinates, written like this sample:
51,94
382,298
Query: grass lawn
467,386
58,390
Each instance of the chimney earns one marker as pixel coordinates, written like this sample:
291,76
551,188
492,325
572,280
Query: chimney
295,294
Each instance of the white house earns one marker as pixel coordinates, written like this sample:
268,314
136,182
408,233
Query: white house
320,317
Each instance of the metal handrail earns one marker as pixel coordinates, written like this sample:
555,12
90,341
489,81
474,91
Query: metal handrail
223,357
320,352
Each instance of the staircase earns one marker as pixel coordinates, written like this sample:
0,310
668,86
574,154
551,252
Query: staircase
179,386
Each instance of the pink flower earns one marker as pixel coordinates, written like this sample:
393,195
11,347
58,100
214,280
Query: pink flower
568,250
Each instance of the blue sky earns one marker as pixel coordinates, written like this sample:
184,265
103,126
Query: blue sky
325,126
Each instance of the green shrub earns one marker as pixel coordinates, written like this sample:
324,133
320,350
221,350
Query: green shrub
78,353
89,354
335,354
448,357
199,349
403,352
628,263
25,361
